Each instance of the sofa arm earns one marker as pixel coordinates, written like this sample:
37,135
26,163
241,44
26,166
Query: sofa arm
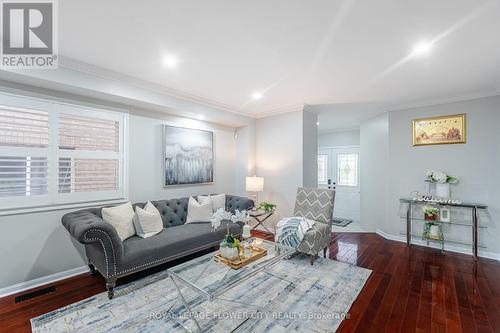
88,228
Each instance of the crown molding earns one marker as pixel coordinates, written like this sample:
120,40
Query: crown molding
443,100
338,130
105,74
277,111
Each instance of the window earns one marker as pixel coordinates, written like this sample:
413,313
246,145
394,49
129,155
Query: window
347,169
322,169
55,153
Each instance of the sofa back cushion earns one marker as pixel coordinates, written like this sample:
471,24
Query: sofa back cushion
234,202
174,211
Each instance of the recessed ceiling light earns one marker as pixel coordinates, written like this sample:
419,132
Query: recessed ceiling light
169,61
317,123
422,48
256,95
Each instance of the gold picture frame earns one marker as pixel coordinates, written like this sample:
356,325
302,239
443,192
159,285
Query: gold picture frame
440,130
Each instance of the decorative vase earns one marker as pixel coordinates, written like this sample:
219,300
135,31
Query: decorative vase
443,190
230,253
246,231
434,231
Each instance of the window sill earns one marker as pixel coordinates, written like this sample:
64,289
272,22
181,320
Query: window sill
49,208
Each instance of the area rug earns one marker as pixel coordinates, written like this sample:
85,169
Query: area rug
291,296
340,222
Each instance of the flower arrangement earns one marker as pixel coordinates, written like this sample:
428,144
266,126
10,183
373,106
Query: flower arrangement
230,246
430,213
220,215
432,227
440,177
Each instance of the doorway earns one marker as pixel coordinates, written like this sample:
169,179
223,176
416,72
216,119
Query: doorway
338,169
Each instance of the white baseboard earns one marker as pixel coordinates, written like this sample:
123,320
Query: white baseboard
447,247
6,291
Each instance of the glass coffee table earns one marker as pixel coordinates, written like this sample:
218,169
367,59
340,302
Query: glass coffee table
211,279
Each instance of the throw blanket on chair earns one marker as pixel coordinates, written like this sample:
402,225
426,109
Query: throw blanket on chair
292,230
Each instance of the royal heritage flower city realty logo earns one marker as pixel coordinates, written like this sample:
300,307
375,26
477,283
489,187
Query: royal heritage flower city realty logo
29,34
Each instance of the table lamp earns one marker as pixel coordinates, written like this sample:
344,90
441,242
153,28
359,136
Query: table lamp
254,184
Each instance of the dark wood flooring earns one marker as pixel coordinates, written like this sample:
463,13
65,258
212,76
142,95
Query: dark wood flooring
410,290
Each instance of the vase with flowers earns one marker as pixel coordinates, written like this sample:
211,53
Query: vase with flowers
230,247
432,226
442,181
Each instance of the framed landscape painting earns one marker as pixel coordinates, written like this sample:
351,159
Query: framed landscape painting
189,156
439,130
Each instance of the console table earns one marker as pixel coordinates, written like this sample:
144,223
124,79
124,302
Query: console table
473,224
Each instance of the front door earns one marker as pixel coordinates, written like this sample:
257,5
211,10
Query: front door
338,169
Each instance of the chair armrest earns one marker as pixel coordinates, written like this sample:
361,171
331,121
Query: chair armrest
88,228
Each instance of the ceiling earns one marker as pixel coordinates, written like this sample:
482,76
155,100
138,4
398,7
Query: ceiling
293,52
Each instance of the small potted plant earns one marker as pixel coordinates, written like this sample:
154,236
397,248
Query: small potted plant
432,225
266,206
230,247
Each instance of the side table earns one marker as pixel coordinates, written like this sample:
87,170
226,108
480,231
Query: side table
260,216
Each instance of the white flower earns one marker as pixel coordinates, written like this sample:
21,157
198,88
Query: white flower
440,177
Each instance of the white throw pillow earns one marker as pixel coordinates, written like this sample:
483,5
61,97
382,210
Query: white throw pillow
217,201
198,212
205,199
147,221
120,217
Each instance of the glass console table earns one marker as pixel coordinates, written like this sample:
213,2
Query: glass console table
466,216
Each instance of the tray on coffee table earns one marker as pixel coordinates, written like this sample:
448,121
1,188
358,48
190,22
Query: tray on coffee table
241,261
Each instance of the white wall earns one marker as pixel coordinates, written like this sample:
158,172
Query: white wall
279,159
309,149
350,138
146,155
245,156
374,154
476,163
391,167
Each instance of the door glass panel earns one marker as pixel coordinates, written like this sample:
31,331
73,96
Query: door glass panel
347,169
322,169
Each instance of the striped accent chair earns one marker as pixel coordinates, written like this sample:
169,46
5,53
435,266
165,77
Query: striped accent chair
315,204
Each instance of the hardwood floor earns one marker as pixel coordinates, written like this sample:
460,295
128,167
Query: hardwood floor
417,290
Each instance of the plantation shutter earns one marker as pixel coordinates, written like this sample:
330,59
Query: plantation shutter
24,135
55,153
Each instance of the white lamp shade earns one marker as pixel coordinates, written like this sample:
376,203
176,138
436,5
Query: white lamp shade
254,184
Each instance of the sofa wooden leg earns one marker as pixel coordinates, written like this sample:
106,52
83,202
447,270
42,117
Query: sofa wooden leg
324,252
93,272
312,258
110,286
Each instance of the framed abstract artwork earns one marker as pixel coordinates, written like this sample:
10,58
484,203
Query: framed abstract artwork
439,130
188,156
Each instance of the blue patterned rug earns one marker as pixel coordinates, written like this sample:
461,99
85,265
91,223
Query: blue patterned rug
296,296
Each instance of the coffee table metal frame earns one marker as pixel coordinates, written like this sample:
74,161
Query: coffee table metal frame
284,252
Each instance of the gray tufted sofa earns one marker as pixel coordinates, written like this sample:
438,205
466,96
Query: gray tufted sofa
113,258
